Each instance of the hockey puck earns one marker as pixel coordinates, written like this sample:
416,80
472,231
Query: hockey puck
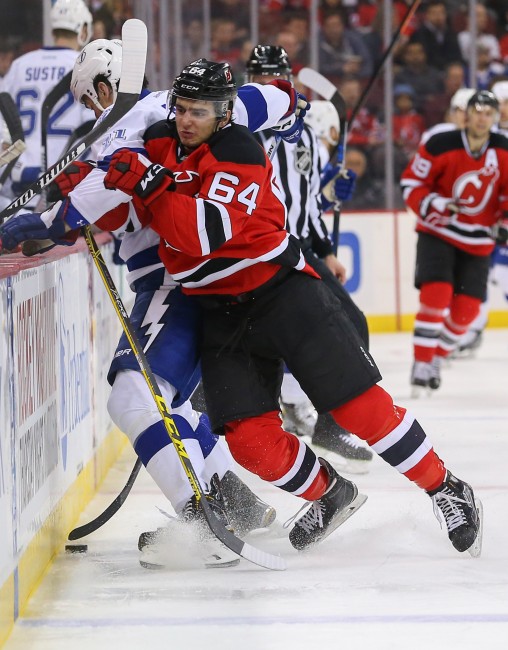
76,548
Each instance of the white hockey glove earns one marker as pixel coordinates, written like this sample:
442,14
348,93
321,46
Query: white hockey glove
438,210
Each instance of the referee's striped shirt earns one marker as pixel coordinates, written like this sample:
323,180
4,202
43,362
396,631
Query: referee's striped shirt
298,168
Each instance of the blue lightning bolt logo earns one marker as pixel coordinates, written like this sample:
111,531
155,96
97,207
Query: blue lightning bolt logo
154,314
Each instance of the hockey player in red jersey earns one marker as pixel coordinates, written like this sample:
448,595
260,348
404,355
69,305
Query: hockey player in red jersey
457,185
210,193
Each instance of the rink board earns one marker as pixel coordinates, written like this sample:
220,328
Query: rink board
378,250
56,439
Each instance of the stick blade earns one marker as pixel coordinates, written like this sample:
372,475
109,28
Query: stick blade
322,86
133,58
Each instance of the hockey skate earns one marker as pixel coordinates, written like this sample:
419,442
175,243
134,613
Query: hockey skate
344,450
338,503
299,418
455,505
420,378
247,512
468,345
435,373
190,529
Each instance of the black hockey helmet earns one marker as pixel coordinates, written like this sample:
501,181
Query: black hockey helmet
268,60
483,98
207,81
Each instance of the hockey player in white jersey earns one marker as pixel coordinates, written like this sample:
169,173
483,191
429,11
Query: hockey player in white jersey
30,79
166,320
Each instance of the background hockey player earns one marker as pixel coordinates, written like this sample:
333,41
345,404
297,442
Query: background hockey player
457,185
30,79
224,240
298,167
165,319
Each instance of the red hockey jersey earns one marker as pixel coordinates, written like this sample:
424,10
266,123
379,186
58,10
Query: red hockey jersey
445,167
223,229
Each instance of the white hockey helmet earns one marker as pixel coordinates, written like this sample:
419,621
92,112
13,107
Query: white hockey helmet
100,57
321,117
460,98
72,15
500,90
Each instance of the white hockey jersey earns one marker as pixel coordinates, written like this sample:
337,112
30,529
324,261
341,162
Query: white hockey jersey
29,80
257,107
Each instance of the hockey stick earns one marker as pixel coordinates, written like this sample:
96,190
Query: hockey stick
114,507
52,98
245,550
134,39
12,152
11,118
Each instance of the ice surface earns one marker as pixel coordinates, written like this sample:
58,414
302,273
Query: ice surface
387,579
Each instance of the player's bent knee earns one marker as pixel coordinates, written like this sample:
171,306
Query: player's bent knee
131,405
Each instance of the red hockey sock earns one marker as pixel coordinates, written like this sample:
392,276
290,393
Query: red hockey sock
463,310
393,434
261,445
435,297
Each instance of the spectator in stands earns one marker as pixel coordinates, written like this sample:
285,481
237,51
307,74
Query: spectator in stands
439,41
99,29
225,46
374,36
435,110
369,193
289,42
408,125
366,131
192,44
298,24
415,71
342,51
237,9
8,48
487,69
485,38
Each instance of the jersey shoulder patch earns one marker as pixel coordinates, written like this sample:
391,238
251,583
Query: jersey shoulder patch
236,144
161,129
499,141
443,142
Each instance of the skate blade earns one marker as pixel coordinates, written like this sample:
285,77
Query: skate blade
475,550
344,515
213,561
420,391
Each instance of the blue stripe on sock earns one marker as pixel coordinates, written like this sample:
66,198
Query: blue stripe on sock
206,438
155,438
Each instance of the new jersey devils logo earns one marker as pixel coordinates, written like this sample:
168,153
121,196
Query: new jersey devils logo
473,190
185,176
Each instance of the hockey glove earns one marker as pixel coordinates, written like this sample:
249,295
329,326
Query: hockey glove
133,173
501,233
34,225
438,210
290,127
337,184
67,180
